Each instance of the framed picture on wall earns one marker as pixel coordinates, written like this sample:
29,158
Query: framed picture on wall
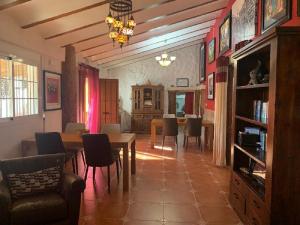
275,12
182,82
211,51
244,20
202,62
211,86
225,35
52,91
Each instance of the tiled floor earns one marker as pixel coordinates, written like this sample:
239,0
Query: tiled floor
169,188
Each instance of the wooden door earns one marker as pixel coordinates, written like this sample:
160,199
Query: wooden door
109,101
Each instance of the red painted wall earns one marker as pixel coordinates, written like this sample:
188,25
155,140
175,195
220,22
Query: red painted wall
214,33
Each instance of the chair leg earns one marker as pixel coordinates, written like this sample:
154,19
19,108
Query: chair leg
187,142
83,158
118,170
86,173
163,142
201,147
184,140
120,161
73,165
76,163
176,141
94,172
108,178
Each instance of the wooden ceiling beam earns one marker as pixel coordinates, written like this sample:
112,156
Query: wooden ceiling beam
101,35
12,4
128,52
65,14
124,51
103,21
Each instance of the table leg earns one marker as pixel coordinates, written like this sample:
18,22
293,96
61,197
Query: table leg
133,166
126,168
153,135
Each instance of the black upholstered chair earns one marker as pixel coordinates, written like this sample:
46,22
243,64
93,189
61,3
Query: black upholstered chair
59,206
99,153
193,128
51,143
170,129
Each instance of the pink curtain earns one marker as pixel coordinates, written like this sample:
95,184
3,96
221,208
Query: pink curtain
89,97
189,103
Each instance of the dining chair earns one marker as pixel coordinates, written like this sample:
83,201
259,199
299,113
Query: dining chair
77,128
170,129
51,143
193,128
99,153
112,128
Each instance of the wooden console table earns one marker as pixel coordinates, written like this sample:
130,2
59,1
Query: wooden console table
208,133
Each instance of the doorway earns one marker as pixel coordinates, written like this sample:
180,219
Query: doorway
180,104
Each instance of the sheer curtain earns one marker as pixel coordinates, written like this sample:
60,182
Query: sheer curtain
189,103
89,97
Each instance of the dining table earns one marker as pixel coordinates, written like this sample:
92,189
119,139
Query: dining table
126,141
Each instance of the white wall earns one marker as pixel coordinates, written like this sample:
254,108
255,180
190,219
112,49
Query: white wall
31,48
185,66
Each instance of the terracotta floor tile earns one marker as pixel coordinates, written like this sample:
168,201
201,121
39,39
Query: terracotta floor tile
145,211
170,188
181,213
218,214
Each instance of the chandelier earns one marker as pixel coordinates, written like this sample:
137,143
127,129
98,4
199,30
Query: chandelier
120,21
165,60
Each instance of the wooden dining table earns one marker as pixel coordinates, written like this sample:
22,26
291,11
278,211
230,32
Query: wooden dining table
208,134
126,141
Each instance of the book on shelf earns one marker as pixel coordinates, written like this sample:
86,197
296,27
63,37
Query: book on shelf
260,111
263,139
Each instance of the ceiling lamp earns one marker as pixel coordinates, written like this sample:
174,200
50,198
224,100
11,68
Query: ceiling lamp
165,60
120,21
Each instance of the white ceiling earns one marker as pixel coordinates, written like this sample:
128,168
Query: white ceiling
162,25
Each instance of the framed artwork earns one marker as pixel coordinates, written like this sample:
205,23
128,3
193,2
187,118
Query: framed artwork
182,82
202,62
211,86
298,3
225,35
244,20
52,91
211,51
275,12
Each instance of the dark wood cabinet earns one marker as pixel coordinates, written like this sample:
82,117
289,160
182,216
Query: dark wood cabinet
147,104
265,184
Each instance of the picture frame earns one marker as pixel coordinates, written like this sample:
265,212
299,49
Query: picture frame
202,62
211,50
274,13
298,10
225,35
244,17
52,90
211,86
182,82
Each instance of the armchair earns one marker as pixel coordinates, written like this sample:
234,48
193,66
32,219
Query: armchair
59,207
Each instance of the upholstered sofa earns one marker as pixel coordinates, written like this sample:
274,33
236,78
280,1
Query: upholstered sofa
58,207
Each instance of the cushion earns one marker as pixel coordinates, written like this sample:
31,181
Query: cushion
39,209
26,184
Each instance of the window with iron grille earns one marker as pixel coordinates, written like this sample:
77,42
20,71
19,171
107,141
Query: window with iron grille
18,89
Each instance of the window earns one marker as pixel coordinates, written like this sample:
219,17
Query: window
18,89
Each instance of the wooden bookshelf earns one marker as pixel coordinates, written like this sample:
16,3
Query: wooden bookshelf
258,156
245,87
263,184
251,121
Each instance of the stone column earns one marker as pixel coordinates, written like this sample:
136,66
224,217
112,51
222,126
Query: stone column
70,84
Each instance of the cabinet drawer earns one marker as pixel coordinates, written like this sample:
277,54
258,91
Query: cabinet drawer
257,206
254,219
238,184
238,202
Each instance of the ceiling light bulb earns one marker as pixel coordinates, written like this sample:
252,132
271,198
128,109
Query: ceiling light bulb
113,35
165,63
109,19
173,58
164,55
158,58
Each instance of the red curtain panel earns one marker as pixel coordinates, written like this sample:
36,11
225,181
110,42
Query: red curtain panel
189,103
89,90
